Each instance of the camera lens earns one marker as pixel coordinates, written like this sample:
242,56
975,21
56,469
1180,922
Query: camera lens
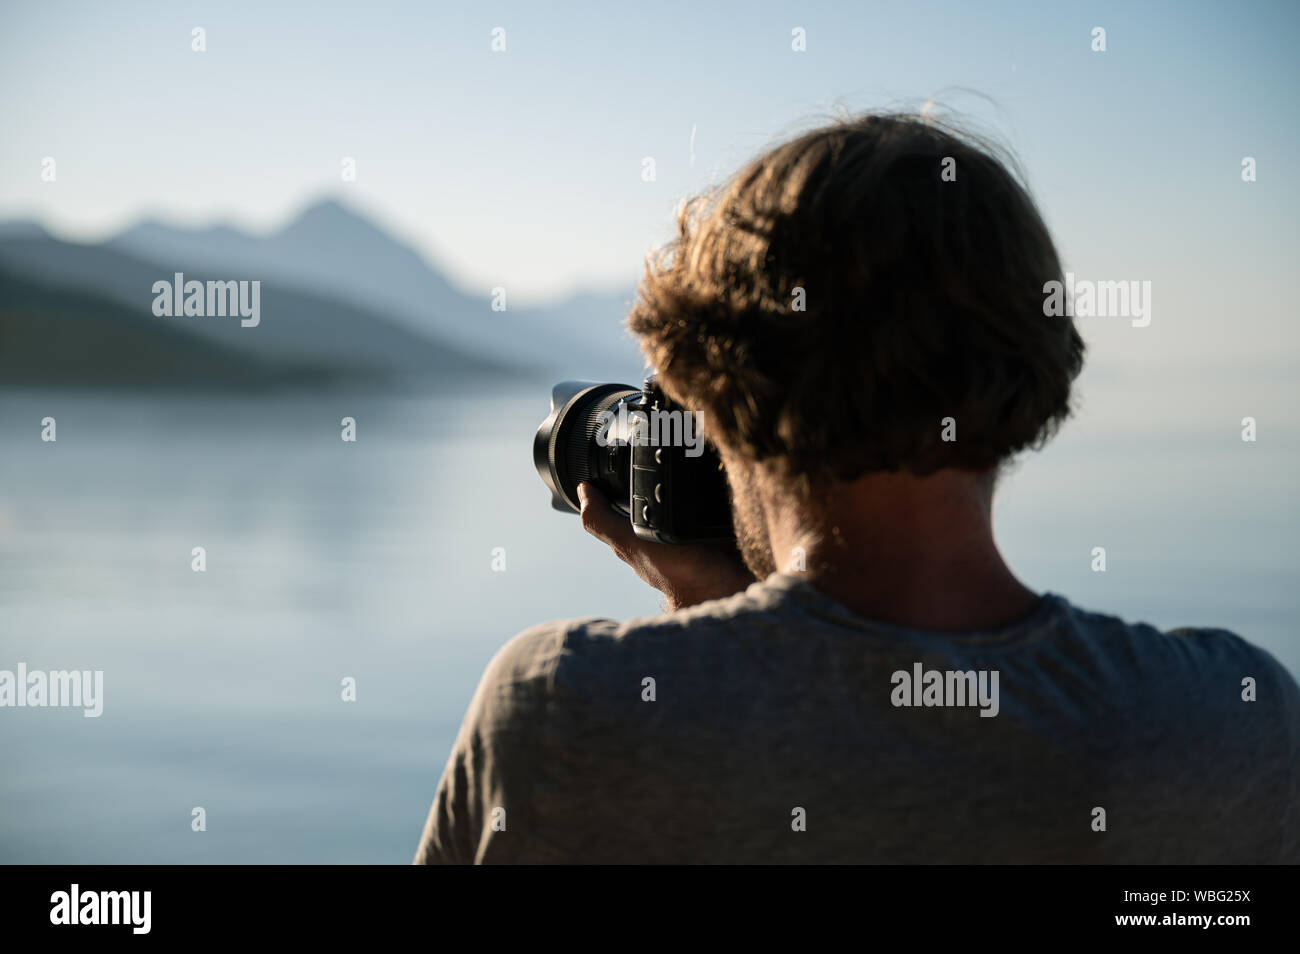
579,441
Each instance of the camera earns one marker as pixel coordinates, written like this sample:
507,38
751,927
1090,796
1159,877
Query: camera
644,453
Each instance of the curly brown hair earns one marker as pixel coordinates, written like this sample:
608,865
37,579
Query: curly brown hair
922,299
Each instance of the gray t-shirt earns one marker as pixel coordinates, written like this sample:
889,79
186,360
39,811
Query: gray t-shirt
779,726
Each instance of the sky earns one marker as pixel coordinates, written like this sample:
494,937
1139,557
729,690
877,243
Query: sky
523,168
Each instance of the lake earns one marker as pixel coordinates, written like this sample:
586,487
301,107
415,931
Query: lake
373,560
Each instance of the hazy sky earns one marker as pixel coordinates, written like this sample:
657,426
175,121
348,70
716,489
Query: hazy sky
523,168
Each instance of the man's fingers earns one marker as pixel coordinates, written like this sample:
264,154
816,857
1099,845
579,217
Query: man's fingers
686,575
604,522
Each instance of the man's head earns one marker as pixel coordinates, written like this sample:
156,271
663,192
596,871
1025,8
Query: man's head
864,299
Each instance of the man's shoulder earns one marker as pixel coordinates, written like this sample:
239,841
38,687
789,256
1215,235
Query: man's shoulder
594,633
584,658
727,625
1208,650
1202,681
593,649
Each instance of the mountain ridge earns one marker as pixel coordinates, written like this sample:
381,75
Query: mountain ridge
336,250
297,327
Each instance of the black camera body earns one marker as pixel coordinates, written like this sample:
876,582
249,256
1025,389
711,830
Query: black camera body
647,456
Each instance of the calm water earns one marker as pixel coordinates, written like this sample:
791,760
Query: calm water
373,560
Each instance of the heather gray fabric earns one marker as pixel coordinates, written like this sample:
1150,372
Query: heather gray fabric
779,699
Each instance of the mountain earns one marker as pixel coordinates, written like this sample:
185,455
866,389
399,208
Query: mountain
22,229
298,329
338,253
64,337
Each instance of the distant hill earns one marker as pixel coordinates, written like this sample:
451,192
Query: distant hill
106,293
61,337
338,253
22,229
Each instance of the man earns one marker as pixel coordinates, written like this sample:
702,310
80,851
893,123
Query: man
858,316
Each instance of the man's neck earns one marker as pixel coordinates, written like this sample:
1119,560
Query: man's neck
908,550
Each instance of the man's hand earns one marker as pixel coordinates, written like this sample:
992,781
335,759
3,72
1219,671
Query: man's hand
685,574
